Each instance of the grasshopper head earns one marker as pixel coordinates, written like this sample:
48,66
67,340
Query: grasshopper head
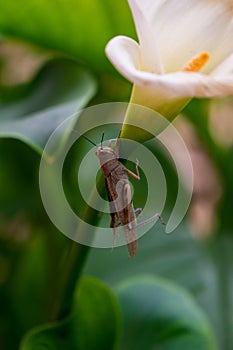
105,154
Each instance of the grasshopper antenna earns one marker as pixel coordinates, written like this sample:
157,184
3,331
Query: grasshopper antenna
86,138
102,139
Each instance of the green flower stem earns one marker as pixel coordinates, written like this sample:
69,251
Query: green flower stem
75,259
72,269
144,96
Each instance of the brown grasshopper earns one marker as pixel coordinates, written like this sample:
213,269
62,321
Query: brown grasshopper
120,195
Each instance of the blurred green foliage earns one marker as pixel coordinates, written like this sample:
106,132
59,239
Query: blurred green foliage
77,28
39,268
95,309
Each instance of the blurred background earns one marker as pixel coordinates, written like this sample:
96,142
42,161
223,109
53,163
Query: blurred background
52,62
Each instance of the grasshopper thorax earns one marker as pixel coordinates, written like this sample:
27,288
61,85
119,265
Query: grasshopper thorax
105,154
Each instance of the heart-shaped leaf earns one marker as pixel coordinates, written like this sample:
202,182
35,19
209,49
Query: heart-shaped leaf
160,315
60,89
94,323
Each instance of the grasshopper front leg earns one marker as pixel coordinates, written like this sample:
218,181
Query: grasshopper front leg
134,176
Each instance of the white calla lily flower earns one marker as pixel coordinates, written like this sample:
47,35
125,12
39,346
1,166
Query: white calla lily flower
185,50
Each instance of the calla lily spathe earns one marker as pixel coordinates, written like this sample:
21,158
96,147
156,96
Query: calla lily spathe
172,35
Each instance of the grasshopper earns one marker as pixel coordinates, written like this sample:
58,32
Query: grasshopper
120,195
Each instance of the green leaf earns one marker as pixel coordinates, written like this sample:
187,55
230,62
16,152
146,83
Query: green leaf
78,28
94,323
160,315
59,89
176,256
